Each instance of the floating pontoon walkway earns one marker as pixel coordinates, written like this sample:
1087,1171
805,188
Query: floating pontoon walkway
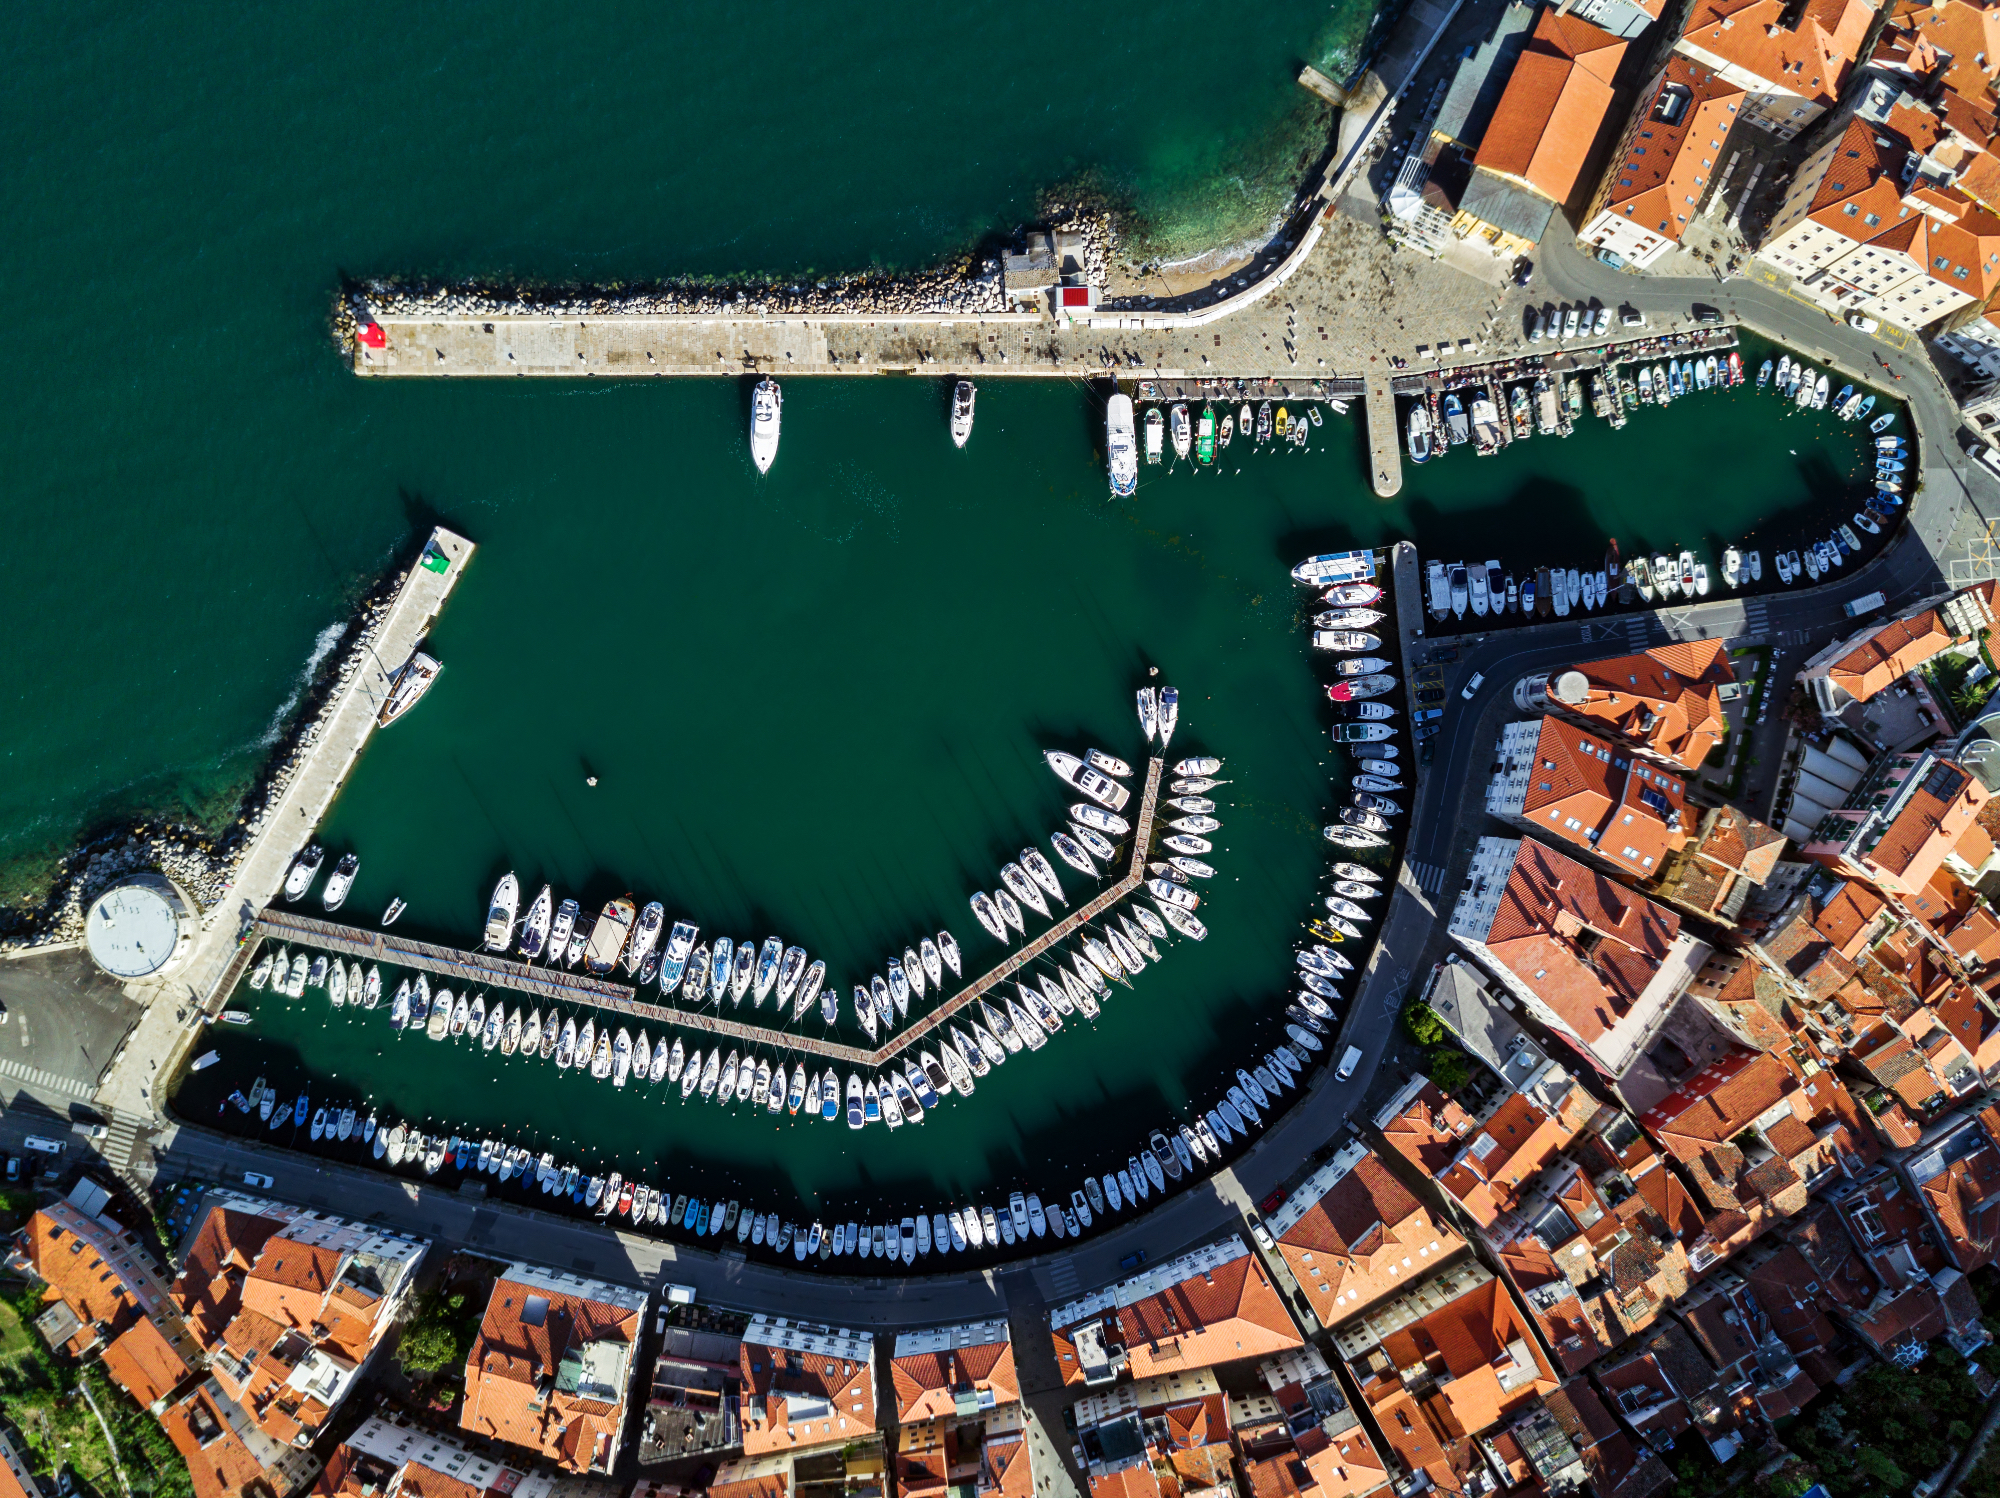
558,986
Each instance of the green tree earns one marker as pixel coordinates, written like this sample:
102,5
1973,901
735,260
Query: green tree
1877,1465
1449,1069
439,1334
1423,1024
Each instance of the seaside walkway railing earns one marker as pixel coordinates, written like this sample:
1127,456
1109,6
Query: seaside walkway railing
559,986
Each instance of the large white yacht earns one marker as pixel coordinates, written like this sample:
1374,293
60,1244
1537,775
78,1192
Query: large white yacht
764,408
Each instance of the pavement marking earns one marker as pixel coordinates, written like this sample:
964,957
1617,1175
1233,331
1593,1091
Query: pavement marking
1429,876
36,1077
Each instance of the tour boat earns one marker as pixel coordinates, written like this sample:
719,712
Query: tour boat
304,868
961,413
500,913
411,682
340,881
766,406
1121,452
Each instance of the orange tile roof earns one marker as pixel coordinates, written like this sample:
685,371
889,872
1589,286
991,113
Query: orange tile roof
1665,699
779,1377
1320,1466
1556,102
1627,810
1506,1152
1005,1468
1657,183
145,1364
1347,1248
1539,932
1427,1130
1718,1103
510,1374
1812,58
1218,1316
218,1461
1875,663
924,1381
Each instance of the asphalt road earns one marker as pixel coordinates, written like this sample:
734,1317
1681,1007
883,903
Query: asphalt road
65,1020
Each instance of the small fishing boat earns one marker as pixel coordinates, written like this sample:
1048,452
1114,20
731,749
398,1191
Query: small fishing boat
1179,430
1264,425
1204,436
1156,431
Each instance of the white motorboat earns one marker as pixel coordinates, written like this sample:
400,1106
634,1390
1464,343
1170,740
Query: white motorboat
340,881
1179,429
961,413
766,405
501,911
303,869
1121,445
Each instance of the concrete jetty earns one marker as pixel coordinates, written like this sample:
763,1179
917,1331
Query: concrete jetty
222,948
1385,454
559,986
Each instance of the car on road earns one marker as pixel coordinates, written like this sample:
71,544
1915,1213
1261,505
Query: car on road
1347,1063
1426,751
1863,324
13,1167
1632,317
1472,687
253,1178
1132,1260
1524,271
1612,259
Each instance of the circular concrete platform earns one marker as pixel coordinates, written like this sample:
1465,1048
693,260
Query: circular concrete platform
140,928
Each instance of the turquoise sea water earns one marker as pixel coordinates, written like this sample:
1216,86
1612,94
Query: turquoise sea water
195,489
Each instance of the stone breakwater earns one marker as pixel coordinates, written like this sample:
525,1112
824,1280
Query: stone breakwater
969,285
202,863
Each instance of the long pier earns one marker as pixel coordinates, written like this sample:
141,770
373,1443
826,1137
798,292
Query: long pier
556,985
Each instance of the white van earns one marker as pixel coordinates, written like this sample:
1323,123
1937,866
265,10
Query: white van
1348,1062
43,1146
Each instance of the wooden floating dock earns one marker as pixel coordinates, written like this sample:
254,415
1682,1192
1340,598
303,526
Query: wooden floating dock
559,986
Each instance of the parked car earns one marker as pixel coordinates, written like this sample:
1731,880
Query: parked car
13,1167
1442,653
253,1178
1989,455
1615,261
1272,1202
1524,271
1537,324
1569,323
1430,694
1706,314
1472,687
1132,1260
1262,1234
1632,317
1864,324
1603,321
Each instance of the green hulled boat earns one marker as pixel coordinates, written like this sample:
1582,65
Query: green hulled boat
1204,436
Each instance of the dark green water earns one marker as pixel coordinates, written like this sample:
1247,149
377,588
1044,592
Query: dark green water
815,703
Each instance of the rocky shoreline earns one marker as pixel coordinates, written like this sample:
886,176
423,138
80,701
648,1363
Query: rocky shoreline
968,284
201,862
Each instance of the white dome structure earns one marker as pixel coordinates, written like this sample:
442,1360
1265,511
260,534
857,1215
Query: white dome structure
140,928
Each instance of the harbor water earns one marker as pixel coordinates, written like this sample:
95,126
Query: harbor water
815,704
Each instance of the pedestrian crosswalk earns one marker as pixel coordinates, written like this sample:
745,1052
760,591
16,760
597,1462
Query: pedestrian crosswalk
1058,1279
1429,876
1756,616
34,1076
